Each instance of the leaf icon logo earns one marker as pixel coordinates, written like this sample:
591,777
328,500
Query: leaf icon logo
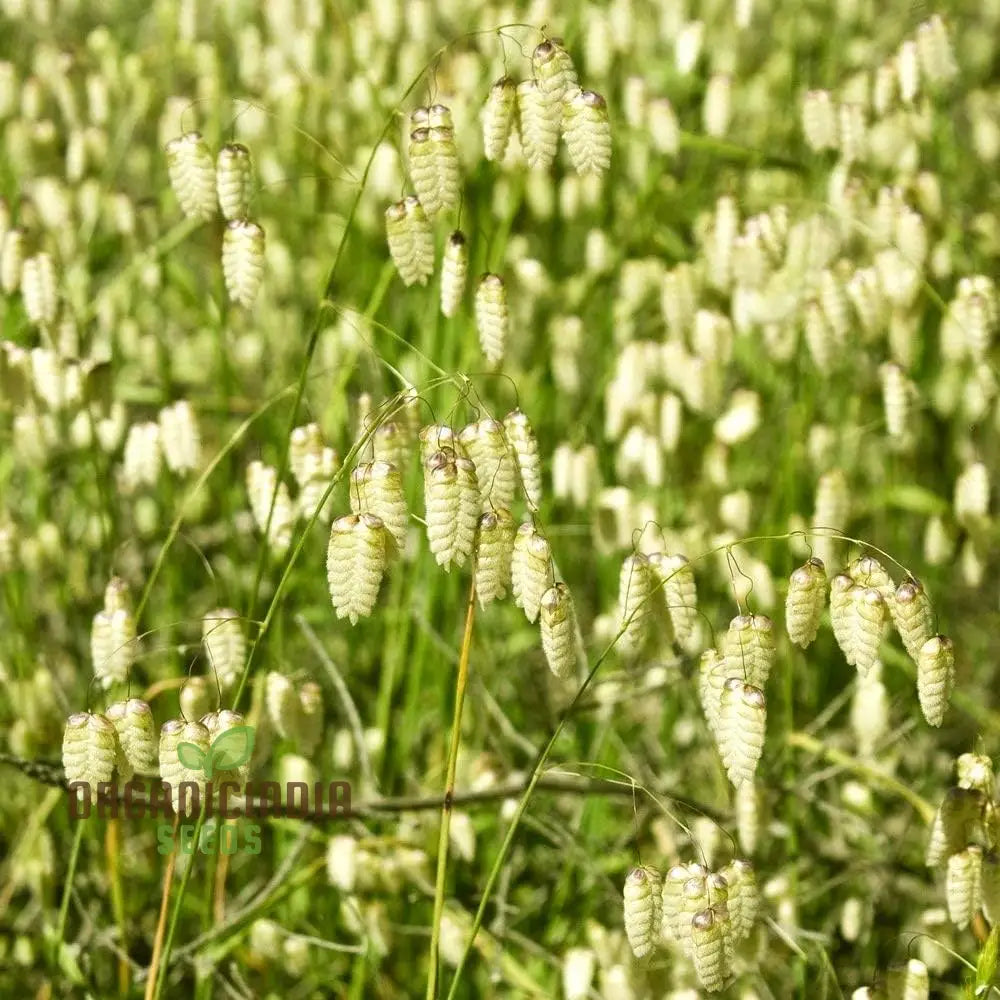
229,750
191,756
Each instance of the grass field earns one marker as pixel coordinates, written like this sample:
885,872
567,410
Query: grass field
764,331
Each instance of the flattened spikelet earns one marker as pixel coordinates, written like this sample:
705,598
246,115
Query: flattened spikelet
411,241
233,176
680,592
636,583
486,444
12,254
243,260
454,270
225,645
494,550
530,570
867,571
133,722
451,499
492,317
744,898
711,679
89,750
538,124
560,634
113,645
842,589
39,291
913,616
499,114
963,885
708,949
955,824
805,602
377,488
868,615
192,175
935,677
356,559
282,703
643,905
741,730
749,648
587,131
990,887
522,440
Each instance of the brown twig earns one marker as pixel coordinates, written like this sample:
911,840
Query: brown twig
161,924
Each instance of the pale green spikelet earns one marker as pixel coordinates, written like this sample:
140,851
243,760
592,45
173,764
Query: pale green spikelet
741,730
225,645
263,488
538,125
560,632
911,982
842,589
391,444
956,823
282,702
452,505
749,648
521,437
89,751
492,317
672,901
440,437
113,645
636,584
643,907
39,289
233,178
454,271
587,131
530,570
486,444
499,114
196,697
133,721
935,677
411,241
680,592
708,949
805,602
377,488
963,885
744,897
356,560
192,175
712,674
867,620
243,260
494,551
913,616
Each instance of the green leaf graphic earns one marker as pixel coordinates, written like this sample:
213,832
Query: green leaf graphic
191,756
230,749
